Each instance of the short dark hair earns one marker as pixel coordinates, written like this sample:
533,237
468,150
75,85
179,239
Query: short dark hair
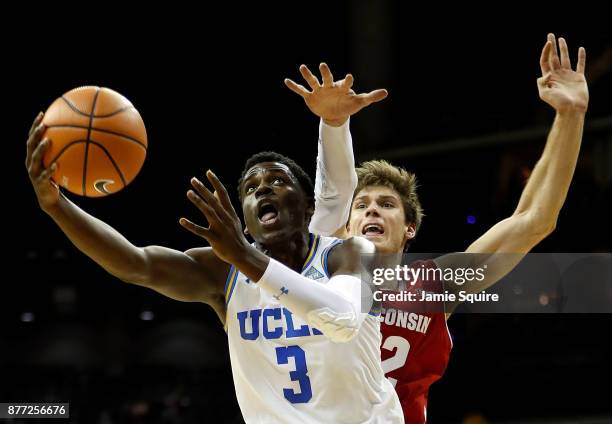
297,171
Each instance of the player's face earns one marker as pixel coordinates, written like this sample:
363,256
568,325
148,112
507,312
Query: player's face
273,203
377,213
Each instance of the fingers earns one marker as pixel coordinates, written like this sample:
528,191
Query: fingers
296,88
347,82
543,81
312,81
35,165
48,173
202,190
544,63
553,57
373,96
565,59
33,142
205,207
196,229
550,59
222,213
36,122
581,60
220,192
328,78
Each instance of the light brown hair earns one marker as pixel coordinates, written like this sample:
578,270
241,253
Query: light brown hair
382,173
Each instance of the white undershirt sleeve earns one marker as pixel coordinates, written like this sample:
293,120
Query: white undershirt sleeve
335,180
334,307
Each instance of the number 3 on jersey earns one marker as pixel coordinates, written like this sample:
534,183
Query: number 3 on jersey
300,374
402,347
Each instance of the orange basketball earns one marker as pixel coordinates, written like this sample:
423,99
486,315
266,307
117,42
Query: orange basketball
98,140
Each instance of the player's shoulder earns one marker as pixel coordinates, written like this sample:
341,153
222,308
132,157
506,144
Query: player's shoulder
200,254
424,263
349,253
359,245
354,246
206,259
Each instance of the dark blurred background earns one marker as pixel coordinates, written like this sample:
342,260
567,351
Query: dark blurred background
463,113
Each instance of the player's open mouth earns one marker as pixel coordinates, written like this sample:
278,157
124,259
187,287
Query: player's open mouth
268,214
373,230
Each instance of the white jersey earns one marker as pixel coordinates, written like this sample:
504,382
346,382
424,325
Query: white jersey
287,372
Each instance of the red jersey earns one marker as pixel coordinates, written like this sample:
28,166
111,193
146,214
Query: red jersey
415,351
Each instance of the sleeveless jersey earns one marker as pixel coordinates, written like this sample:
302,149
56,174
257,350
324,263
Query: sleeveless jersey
286,371
415,351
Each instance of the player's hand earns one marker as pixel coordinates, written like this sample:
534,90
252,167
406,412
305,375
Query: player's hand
46,190
332,101
560,86
224,232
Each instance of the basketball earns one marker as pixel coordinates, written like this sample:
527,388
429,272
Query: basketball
98,141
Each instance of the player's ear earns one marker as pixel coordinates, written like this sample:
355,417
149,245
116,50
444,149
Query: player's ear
246,231
410,231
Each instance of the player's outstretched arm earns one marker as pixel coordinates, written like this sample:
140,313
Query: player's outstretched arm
536,215
196,275
538,209
334,102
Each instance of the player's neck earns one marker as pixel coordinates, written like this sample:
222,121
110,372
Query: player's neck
291,252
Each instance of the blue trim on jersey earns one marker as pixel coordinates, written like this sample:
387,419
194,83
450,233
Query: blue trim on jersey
314,245
230,283
232,276
325,254
374,312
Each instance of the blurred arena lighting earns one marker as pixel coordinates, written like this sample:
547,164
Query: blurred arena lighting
471,219
27,317
64,294
147,315
65,298
59,254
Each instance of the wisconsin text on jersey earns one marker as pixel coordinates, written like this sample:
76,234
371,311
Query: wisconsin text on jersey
408,320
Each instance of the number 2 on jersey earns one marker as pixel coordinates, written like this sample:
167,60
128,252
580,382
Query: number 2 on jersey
300,374
402,347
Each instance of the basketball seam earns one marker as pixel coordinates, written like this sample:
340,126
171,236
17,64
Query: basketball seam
61,152
127,137
110,157
108,115
101,146
117,112
93,108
